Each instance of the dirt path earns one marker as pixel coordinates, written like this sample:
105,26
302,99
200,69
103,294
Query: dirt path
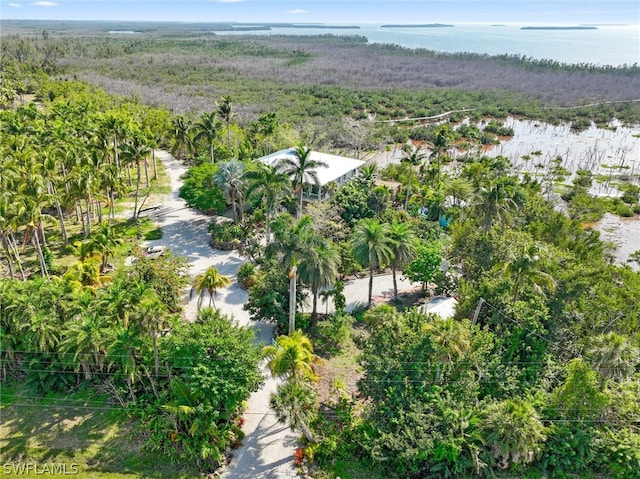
267,450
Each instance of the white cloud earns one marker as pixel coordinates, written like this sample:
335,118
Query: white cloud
14,5
44,4
297,11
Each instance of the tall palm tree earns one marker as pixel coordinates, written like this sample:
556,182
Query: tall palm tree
403,247
209,281
207,130
413,159
230,178
441,143
150,315
319,269
272,185
302,170
182,140
226,113
372,246
136,151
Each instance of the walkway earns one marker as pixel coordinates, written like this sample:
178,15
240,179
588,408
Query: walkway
268,447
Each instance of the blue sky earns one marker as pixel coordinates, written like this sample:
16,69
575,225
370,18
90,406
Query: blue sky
331,11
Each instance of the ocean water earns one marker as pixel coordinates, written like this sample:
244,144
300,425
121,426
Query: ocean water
608,45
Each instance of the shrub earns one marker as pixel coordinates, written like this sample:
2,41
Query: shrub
247,275
334,333
618,453
226,236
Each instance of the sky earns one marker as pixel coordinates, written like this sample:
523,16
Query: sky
332,11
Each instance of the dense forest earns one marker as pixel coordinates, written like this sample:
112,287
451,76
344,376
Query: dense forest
536,375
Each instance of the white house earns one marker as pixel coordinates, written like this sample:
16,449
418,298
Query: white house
339,169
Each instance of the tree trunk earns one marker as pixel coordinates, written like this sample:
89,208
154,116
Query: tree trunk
42,236
155,165
146,173
80,213
12,244
300,207
43,264
314,312
406,201
87,370
88,202
305,429
370,284
395,283
135,206
8,255
63,228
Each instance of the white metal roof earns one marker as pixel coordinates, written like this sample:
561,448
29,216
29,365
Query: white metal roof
443,306
337,166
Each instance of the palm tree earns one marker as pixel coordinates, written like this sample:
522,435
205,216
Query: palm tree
207,130
319,269
209,281
181,136
524,268
230,178
414,159
302,170
136,150
150,314
444,137
614,357
226,113
513,431
105,242
272,185
403,247
295,404
372,246
84,337
291,358
495,202
451,339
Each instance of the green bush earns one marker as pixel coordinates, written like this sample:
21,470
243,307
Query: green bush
566,450
334,333
226,236
247,275
199,190
618,453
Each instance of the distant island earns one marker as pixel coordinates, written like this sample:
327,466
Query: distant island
416,25
559,28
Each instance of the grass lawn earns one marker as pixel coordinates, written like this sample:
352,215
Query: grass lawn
81,432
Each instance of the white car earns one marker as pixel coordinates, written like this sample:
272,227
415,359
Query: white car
153,252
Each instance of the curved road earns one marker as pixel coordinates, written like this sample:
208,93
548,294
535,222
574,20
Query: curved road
268,447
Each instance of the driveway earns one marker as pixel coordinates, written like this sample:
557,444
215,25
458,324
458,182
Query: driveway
268,447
